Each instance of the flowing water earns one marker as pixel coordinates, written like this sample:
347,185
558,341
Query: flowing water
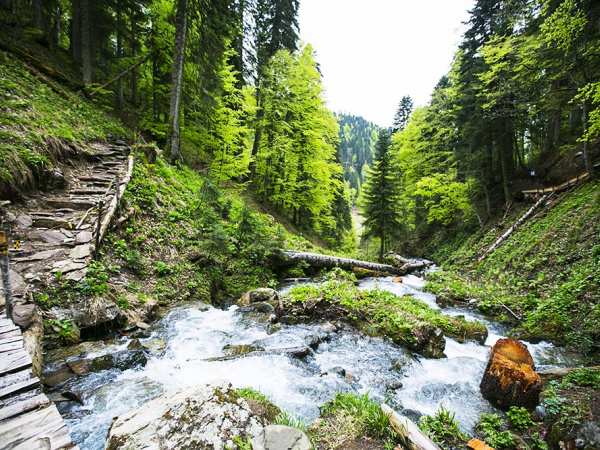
189,335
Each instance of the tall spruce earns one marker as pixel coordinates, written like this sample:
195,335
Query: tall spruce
405,109
382,218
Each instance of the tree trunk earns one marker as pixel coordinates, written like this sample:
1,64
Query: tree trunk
86,42
177,80
56,26
134,50
76,30
119,54
325,261
38,16
587,158
260,114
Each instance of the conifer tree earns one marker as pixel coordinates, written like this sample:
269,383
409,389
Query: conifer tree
382,218
403,113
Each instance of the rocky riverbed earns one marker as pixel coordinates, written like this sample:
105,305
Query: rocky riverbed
299,367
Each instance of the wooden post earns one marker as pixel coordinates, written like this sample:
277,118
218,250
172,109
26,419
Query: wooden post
117,192
4,267
98,227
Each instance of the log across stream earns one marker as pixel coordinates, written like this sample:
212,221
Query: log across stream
186,346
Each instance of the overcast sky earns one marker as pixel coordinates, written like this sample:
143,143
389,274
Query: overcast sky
372,52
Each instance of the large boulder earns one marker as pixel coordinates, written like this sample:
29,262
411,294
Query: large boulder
206,417
510,378
280,437
267,295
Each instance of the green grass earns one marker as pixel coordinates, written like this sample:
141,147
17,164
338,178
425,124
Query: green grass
547,272
348,417
34,118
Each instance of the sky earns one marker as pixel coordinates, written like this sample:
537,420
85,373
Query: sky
373,52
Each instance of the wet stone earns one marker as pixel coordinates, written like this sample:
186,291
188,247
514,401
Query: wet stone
80,252
280,437
83,237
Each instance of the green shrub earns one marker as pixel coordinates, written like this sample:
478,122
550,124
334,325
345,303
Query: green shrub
519,418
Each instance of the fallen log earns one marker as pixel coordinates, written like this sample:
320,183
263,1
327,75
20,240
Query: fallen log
407,264
516,225
319,261
414,438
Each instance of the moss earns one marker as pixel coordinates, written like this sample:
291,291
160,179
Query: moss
260,404
381,313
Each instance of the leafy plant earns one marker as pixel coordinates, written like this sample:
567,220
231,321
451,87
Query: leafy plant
519,418
443,429
492,428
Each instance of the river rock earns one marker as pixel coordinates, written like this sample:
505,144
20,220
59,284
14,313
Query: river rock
428,341
202,417
259,295
280,437
23,315
510,378
241,349
91,313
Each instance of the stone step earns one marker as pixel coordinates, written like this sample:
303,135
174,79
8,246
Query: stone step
79,205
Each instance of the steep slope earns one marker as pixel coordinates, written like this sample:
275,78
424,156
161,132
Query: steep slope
41,124
545,278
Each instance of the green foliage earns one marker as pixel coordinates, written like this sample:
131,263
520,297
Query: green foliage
491,426
584,376
288,420
519,418
295,166
65,329
96,279
547,272
162,269
443,429
356,148
34,118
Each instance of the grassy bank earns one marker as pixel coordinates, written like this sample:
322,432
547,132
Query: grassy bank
547,272
42,123
184,239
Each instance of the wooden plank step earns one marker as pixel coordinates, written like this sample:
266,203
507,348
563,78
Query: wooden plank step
7,333
39,429
15,377
8,327
9,346
26,385
23,406
14,362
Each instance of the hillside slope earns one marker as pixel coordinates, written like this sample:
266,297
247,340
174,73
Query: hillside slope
547,272
179,237
41,124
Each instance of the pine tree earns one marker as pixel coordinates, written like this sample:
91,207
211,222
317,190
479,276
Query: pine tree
403,113
382,218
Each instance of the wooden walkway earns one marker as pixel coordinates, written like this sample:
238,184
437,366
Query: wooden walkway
560,187
28,420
